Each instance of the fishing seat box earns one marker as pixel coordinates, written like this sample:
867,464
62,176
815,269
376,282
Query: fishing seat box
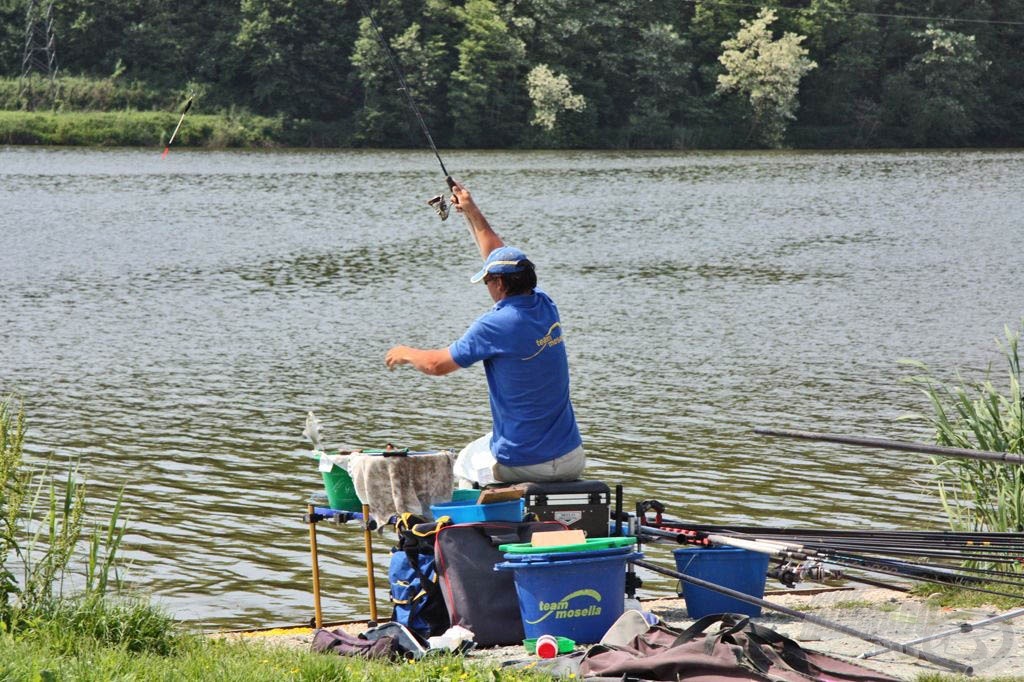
580,505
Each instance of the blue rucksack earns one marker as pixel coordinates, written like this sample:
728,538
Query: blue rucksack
415,592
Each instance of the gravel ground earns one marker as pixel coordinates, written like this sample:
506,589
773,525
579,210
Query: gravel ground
995,650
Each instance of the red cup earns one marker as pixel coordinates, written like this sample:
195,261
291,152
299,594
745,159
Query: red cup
547,646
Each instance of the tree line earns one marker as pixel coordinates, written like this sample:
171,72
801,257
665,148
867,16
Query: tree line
566,73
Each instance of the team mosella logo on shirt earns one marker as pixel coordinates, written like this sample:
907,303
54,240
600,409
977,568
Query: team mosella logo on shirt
549,340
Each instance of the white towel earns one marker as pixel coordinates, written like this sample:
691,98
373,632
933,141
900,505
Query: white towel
395,485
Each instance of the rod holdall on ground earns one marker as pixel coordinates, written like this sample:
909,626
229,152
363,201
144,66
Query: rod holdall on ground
415,593
480,599
738,650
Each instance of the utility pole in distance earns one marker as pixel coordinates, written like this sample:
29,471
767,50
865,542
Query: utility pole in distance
40,55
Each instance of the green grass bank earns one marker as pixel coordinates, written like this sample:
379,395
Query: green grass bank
143,129
47,655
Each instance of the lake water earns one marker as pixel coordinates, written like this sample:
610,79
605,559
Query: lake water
170,322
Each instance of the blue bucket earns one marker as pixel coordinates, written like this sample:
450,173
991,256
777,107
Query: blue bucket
738,569
576,598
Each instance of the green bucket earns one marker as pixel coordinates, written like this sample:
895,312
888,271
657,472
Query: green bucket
341,492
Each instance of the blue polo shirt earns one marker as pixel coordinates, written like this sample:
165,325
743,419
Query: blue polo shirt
521,344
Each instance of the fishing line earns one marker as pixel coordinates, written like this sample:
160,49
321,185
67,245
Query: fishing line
438,202
188,105
852,13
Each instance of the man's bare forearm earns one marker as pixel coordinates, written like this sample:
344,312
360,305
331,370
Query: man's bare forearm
435,362
485,237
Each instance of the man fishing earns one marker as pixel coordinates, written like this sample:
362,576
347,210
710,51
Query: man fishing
519,340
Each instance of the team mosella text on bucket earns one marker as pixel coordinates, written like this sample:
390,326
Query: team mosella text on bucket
562,610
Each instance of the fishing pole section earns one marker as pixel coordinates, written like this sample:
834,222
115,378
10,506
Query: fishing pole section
188,105
822,555
439,203
984,562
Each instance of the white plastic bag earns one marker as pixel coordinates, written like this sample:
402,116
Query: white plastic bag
474,463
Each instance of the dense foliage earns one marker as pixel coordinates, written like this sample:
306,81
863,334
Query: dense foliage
503,73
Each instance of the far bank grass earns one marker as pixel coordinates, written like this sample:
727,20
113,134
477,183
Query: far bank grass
154,129
137,128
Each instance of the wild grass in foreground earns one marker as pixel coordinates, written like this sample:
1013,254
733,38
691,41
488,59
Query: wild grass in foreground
194,657
952,596
943,677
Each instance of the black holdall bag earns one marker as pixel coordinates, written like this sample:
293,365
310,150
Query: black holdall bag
480,599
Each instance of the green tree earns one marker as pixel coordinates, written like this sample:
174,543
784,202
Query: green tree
767,73
712,23
385,118
946,79
93,36
551,94
571,39
486,94
1002,42
12,36
666,94
295,57
843,93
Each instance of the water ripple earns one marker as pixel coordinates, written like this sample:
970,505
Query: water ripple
170,323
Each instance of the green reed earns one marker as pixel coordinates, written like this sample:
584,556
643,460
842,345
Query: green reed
13,490
975,414
41,537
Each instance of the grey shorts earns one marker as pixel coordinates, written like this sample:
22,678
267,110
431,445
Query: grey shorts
568,467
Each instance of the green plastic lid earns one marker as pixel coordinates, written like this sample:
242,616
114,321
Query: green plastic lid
589,544
565,645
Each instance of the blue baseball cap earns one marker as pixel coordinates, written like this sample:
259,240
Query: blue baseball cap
501,261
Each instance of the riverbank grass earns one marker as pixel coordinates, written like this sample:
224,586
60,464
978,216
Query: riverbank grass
48,655
137,129
975,414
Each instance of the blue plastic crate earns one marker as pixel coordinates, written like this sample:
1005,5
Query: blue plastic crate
460,512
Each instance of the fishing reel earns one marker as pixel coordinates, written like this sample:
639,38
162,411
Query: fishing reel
790,574
440,205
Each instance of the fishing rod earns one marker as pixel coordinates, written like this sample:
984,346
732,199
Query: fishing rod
795,552
979,536
1010,544
994,554
938,574
438,203
949,536
963,627
188,105
816,620
886,444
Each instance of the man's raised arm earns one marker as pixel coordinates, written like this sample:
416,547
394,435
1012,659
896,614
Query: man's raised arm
486,239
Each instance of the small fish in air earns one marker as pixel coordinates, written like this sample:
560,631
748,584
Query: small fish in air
312,432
